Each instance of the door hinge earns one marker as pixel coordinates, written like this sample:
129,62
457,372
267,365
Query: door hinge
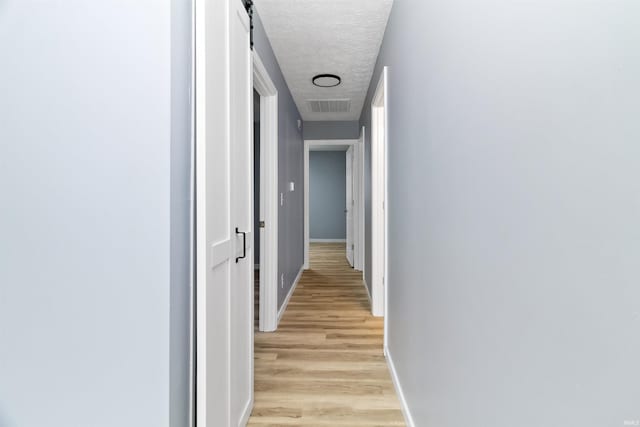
261,223
353,247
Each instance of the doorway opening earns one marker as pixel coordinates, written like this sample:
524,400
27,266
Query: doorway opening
329,197
379,199
349,199
265,195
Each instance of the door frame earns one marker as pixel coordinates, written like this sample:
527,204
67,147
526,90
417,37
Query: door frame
359,258
379,193
351,209
262,83
358,176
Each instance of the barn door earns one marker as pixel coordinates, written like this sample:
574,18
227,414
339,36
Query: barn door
241,292
224,226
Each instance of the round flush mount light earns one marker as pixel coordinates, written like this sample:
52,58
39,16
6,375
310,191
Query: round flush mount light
326,80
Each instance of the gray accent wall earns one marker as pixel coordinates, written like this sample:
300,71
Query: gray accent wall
95,254
514,207
331,130
290,168
327,195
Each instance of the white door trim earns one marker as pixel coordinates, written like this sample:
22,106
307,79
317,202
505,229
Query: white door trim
262,83
379,115
309,145
350,205
360,220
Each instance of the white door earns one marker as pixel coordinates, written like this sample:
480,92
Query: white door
379,198
359,211
224,180
241,134
349,206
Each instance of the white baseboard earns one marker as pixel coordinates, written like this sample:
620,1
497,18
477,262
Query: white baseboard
396,383
328,240
246,413
366,288
293,288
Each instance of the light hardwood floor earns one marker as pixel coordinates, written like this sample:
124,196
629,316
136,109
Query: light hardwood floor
324,365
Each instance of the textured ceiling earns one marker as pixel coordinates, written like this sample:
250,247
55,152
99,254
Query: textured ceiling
312,37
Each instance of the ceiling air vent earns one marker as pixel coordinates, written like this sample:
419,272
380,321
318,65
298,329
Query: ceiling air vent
330,105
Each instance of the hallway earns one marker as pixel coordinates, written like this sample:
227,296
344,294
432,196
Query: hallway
324,365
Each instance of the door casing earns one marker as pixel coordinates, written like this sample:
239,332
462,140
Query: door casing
350,204
379,208
262,83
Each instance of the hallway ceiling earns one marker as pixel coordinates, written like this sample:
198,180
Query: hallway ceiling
311,37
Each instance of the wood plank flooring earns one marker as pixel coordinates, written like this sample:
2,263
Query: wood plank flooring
324,366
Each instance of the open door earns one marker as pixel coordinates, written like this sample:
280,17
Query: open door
378,198
350,205
358,262
224,217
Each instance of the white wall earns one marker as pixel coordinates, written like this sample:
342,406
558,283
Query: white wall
514,210
88,204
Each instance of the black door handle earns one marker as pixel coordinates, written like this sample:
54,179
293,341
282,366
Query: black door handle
244,244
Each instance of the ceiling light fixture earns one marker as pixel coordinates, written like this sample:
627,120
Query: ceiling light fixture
326,80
